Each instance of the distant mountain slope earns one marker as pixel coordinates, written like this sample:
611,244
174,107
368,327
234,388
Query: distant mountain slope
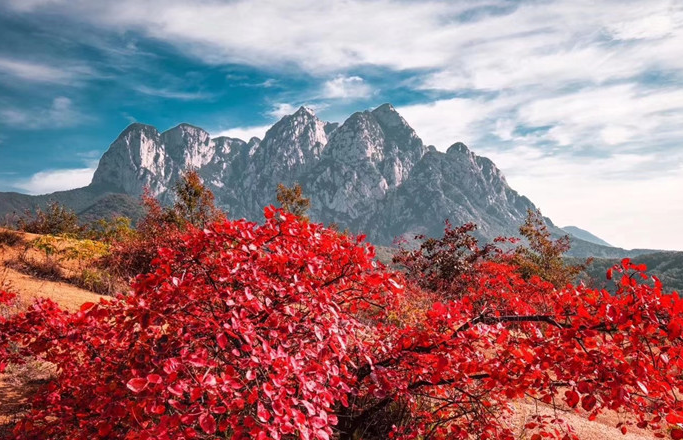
667,266
372,174
582,234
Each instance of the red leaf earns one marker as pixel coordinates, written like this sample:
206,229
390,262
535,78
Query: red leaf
87,306
154,378
222,340
262,413
588,402
137,384
572,398
207,423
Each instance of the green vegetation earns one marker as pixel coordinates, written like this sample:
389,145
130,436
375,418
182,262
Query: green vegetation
543,256
54,220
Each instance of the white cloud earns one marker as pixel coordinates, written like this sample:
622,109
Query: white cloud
640,212
346,87
245,133
525,41
622,115
444,122
281,110
60,114
570,81
49,181
173,94
42,72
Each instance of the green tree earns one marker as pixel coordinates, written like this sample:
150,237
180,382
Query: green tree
194,201
543,256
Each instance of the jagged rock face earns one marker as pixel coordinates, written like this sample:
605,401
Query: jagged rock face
371,174
368,156
458,186
136,159
289,149
188,146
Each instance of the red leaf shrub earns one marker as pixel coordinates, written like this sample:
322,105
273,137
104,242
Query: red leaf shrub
245,331
290,330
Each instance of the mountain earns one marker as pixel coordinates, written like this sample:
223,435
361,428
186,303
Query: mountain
582,234
666,265
372,174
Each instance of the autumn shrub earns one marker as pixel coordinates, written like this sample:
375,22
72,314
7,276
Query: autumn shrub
55,219
242,330
109,230
285,331
446,265
9,238
544,256
99,281
292,200
132,252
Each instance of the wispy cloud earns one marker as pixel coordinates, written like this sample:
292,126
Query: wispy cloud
61,113
49,181
403,35
45,73
174,94
281,109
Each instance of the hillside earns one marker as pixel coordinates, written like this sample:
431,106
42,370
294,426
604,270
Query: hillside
667,266
584,235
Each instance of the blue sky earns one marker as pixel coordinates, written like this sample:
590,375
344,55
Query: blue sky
579,102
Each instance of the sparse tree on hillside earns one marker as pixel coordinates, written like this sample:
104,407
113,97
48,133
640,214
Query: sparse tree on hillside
445,265
56,219
163,226
194,201
544,257
110,230
292,200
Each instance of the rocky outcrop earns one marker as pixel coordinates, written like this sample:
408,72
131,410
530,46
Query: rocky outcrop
371,174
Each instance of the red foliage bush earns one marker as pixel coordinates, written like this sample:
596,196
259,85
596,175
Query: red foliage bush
243,330
284,331
133,253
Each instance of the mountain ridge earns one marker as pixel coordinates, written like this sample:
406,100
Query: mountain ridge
371,174
582,234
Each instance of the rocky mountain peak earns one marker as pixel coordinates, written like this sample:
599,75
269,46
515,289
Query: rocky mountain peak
304,111
296,141
359,138
136,129
130,159
387,115
189,146
458,148
372,173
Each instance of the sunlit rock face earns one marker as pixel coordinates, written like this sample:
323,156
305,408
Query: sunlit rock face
372,173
